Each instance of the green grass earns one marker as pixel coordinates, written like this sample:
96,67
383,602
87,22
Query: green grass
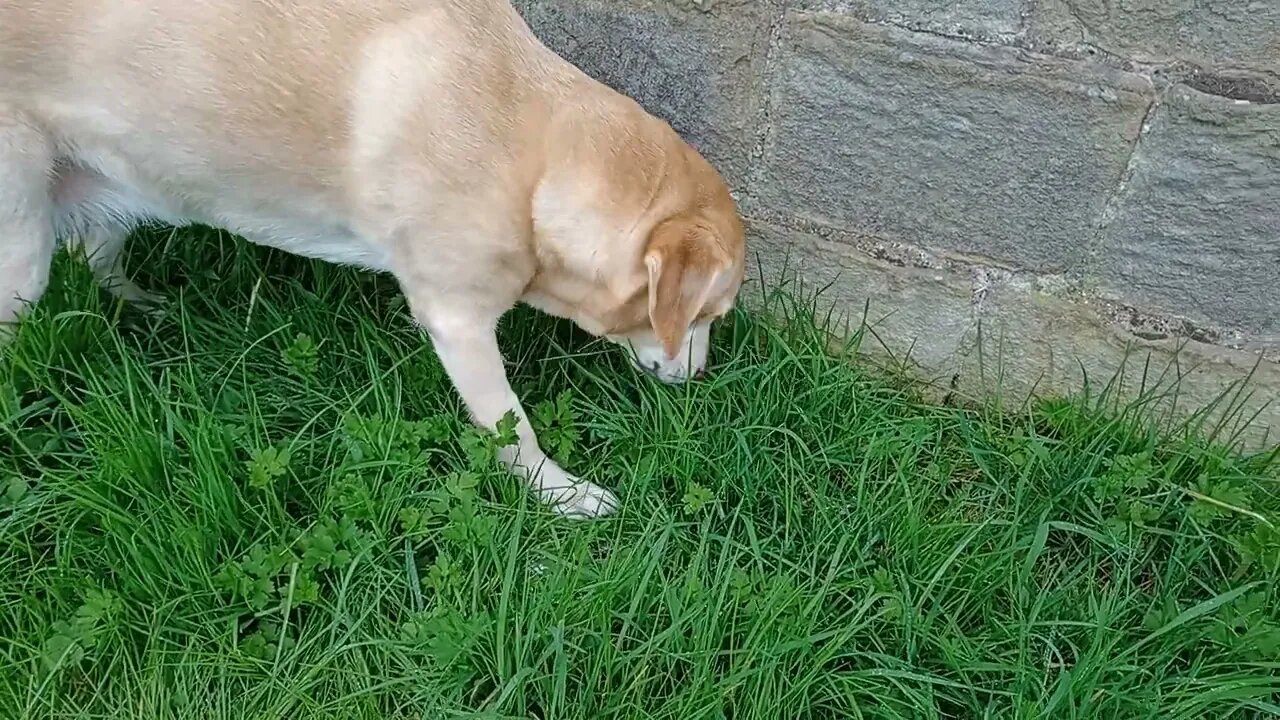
267,503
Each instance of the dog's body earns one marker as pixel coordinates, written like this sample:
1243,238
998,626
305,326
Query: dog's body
434,139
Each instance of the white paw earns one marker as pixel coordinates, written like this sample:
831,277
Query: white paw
568,496
147,302
127,291
571,497
582,501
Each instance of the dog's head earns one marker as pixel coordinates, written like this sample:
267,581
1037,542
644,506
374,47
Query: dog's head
685,272
692,267
642,244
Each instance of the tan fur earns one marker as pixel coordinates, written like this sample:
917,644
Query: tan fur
434,139
684,262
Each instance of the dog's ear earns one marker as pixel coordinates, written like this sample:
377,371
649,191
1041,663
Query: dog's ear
685,260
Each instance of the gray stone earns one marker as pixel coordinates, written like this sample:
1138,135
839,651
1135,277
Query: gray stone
1049,345
978,19
1196,232
920,317
986,333
1227,34
986,150
694,64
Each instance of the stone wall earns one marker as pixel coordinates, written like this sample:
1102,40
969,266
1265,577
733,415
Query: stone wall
1028,193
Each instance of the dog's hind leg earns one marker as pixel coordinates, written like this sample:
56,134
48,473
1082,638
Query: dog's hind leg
26,216
103,246
91,215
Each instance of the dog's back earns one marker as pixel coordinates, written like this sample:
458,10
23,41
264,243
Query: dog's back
239,113
267,84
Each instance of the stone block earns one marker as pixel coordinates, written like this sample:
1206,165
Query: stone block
989,333
1051,344
1226,34
986,150
1196,231
978,19
695,64
918,316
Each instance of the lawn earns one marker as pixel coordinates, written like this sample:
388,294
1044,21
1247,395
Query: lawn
266,503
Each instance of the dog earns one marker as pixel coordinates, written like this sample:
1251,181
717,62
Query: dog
436,140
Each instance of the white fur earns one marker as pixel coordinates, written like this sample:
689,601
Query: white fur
647,354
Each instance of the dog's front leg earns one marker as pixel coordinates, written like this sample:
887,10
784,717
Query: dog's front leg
469,351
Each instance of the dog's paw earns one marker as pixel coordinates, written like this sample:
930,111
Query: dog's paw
148,303
582,501
125,290
567,495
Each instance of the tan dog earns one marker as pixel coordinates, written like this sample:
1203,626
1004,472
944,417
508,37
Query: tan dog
437,140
